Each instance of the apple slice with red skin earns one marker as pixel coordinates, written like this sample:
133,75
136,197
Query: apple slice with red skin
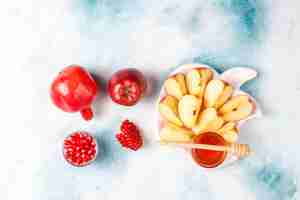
229,132
197,79
206,117
127,86
171,132
208,121
180,78
168,108
175,86
217,93
213,91
189,107
215,124
224,96
237,108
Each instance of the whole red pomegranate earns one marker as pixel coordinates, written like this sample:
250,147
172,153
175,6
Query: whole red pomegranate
74,90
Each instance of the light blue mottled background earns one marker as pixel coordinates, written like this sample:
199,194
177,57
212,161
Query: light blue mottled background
38,38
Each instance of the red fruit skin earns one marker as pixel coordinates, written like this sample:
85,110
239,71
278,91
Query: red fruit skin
130,137
74,90
127,86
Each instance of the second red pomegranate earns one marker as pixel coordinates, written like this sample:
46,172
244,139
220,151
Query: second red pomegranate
127,86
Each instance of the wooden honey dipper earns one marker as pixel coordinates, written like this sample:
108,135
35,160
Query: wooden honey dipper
240,150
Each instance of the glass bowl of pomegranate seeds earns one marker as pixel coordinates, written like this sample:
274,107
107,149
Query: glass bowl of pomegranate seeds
80,149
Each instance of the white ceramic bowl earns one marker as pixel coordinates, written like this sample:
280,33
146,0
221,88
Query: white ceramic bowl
235,77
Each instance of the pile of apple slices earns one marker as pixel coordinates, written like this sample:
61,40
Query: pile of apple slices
196,103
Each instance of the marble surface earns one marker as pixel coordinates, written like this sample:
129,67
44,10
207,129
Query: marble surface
38,38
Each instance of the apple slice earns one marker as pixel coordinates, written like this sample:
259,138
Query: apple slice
171,132
230,136
181,80
197,80
213,91
229,132
215,125
227,126
173,87
225,95
206,74
205,119
189,107
168,108
237,108
193,80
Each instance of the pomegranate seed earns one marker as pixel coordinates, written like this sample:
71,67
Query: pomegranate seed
80,149
90,152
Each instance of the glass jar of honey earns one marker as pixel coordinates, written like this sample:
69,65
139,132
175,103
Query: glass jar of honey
209,158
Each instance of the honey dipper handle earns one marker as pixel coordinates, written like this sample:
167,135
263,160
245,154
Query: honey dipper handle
238,149
195,146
